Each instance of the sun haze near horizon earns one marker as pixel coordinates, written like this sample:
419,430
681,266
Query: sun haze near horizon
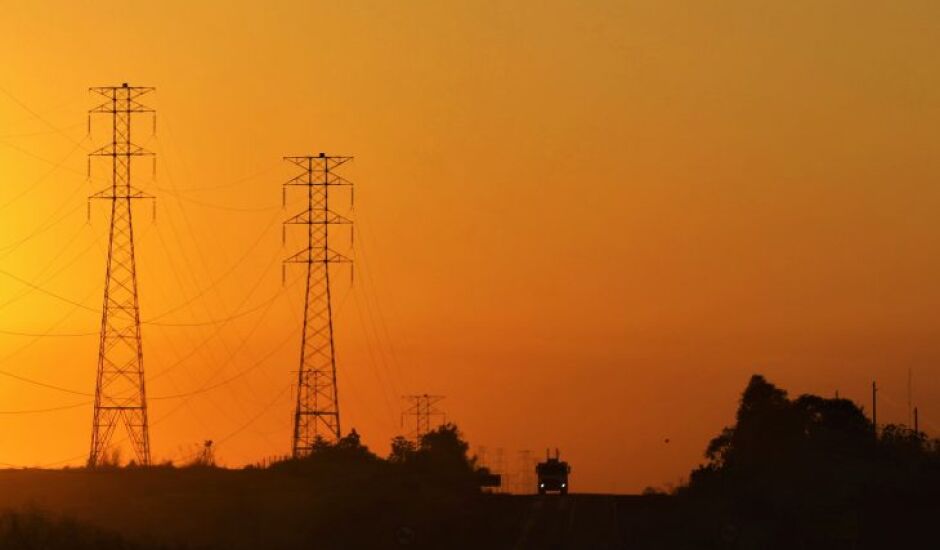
584,223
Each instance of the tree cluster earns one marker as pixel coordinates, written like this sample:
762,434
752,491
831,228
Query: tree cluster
815,471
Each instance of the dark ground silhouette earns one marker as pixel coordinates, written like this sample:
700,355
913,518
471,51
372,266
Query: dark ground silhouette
342,496
802,473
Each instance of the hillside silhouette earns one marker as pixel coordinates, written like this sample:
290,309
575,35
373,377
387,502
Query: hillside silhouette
806,472
340,496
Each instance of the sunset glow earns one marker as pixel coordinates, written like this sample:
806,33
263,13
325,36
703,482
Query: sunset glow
567,215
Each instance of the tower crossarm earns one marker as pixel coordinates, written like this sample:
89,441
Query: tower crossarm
318,216
317,256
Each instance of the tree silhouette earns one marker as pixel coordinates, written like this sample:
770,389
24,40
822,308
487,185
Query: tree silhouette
807,469
402,450
445,449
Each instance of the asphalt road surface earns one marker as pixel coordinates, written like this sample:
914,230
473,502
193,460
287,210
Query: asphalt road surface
574,521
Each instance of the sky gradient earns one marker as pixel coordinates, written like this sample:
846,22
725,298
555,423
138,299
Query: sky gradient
585,223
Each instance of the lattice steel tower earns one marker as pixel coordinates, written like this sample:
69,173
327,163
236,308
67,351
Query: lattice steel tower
423,408
120,396
317,411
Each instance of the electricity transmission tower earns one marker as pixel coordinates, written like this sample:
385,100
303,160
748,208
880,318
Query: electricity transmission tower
525,477
499,467
120,396
317,411
422,408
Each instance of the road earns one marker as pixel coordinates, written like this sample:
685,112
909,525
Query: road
573,521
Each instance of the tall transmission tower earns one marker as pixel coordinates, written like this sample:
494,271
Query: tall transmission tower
316,415
120,396
423,409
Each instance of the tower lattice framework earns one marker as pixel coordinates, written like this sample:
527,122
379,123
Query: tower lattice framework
120,394
316,415
423,408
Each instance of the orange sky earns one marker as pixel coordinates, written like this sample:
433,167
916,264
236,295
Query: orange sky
585,223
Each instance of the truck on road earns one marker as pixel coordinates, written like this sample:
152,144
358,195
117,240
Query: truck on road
552,474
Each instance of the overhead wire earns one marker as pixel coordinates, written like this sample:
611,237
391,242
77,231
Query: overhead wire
45,291
50,222
256,417
200,347
247,252
36,134
153,320
36,115
370,281
39,336
219,206
378,356
57,165
70,100
189,231
208,339
78,305
177,193
47,409
210,386
43,384
227,185
372,361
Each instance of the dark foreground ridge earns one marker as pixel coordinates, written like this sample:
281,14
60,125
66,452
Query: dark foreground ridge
801,473
341,496
217,510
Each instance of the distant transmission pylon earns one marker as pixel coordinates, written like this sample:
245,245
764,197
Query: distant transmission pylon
423,409
526,473
317,411
120,396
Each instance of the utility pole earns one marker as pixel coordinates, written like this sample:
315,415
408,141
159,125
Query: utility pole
316,415
120,396
916,422
423,409
874,408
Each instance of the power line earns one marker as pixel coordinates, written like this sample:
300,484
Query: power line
220,206
218,328
35,134
48,409
370,281
42,384
56,166
151,320
257,416
241,339
210,387
38,116
47,292
247,252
